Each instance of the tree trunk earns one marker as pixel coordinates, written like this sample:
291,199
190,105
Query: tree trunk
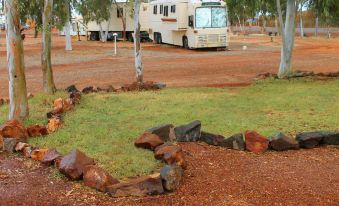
316,25
68,28
137,47
301,21
288,33
102,33
36,32
277,28
47,72
328,31
18,106
124,27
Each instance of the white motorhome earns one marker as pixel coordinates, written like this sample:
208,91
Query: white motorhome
125,10
189,23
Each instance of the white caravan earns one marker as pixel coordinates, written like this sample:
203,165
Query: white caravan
115,23
189,23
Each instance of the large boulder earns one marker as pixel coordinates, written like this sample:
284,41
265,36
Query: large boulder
97,178
14,129
255,142
281,142
39,154
143,186
211,139
165,132
51,156
171,176
189,132
171,155
234,142
37,130
148,141
73,164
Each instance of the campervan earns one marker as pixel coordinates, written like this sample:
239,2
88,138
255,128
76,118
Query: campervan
189,23
123,9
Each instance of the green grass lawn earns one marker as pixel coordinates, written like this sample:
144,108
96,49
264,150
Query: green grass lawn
104,126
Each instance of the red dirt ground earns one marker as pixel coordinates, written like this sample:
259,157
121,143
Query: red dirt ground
214,176
93,63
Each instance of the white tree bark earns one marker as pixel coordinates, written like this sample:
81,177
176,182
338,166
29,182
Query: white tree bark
301,21
68,39
288,33
18,107
137,47
316,25
46,63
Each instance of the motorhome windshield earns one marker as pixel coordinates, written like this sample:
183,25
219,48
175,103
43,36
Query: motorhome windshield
210,17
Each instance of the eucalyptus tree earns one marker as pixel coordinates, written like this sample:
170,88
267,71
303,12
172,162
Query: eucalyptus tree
287,28
137,46
18,107
68,40
46,61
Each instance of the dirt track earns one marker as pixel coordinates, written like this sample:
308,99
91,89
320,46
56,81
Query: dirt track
214,176
93,63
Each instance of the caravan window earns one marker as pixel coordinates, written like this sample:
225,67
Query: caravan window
155,8
161,8
173,9
210,17
165,10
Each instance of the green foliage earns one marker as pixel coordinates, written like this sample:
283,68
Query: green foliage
104,126
33,9
94,10
327,10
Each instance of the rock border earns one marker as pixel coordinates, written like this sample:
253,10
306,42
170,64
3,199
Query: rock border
299,74
160,139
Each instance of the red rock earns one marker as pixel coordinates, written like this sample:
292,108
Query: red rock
27,151
73,164
51,157
2,101
37,130
107,88
1,142
148,141
97,178
255,142
14,129
75,96
143,186
58,104
21,146
53,124
39,154
170,154
68,104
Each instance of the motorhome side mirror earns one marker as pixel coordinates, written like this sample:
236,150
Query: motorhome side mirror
190,21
